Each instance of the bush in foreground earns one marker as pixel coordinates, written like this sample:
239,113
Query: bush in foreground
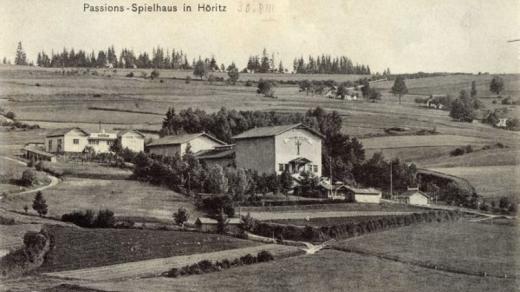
207,266
104,219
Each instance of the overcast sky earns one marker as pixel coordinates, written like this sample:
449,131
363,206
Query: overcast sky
407,36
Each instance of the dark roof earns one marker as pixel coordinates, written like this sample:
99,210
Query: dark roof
38,151
215,153
63,131
181,139
274,131
411,192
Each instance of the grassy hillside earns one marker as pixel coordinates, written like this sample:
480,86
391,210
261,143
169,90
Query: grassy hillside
124,197
464,246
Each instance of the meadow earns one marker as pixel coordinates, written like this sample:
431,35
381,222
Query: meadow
453,84
327,270
77,248
489,181
126,198
462,246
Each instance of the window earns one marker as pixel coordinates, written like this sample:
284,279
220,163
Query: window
315,168
75,141
50,144
93,142
280,167
59,141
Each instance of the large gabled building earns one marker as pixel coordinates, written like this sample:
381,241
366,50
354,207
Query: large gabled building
294,148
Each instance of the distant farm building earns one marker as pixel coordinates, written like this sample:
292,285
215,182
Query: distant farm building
171,145
414,197
294,148
362,195
502,123
67,140
436,101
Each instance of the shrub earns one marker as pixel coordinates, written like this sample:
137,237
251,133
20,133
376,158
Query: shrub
187,80
154,74
105,219
457,152
264,256
181,216
174,273
131,74
194,269
28,177
248,259
10,115
206,266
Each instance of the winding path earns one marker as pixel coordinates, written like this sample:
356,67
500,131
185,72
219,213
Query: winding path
54,180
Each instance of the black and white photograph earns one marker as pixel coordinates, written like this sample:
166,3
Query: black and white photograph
259,145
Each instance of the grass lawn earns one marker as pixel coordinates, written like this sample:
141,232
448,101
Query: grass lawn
88,170
462,245
124,197
489,181
419,141
78,248
320,222
334,207
328,270
509,156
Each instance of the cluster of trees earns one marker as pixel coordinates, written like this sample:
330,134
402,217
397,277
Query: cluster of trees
264,64
376,172
325,64
463,108
186,174
206,266
89,219
159,58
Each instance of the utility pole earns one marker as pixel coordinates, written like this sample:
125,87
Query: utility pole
330,174
391,183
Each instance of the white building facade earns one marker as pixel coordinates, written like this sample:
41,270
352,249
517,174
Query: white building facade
295,148
68,140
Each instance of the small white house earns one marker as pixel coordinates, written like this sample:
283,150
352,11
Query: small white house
67,140
131,139
414,197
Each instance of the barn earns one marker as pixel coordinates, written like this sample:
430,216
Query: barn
362,195
414,197
294,148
